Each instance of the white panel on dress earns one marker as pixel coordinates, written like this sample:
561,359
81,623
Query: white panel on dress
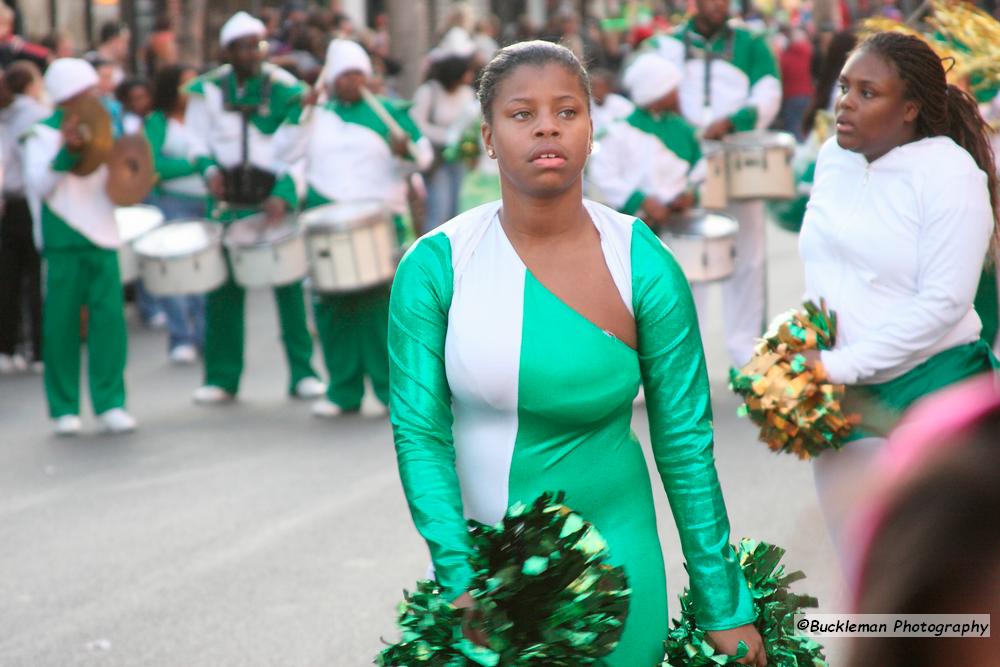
482,358
483,345
616,242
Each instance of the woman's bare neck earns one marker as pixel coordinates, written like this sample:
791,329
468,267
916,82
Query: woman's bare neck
530,221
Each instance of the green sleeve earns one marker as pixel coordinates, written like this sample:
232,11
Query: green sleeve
402,116
65,160
166,167
762,60
987,305
284,188
420,408
762,63
678,402
203,163
634,202
745,119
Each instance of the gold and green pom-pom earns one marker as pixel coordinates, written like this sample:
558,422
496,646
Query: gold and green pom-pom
797,408
544,597
688,646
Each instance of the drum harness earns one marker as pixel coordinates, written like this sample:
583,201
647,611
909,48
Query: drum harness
692,52
247,185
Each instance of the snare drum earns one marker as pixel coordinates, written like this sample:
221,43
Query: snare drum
133,222
352,246
265,255
704,244
714,191
759,165
183,257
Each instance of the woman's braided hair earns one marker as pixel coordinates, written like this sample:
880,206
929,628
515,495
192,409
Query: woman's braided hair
945,109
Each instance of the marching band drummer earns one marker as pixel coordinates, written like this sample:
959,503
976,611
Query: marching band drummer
233,113
646,160
79,242
351,155
730,84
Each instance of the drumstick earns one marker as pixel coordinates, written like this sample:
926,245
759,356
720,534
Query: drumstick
394,129
319,89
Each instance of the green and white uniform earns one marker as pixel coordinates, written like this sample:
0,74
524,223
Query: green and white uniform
500,391
80,246
170,141
645,155
348,159
731,75
216,135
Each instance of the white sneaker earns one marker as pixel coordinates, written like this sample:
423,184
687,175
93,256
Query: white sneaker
183,355
12,363
373,408
158,321
212,395
326,409
309,388
68,425
117,420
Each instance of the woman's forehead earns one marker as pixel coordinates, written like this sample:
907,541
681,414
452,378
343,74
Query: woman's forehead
539,81
869,65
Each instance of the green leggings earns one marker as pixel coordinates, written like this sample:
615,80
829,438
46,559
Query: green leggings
353,331
77,277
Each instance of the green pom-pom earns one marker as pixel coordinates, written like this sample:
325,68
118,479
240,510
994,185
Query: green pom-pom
544,596
554,592
687,644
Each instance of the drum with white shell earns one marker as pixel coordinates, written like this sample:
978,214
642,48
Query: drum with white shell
759,165
266,254
703,243
182,257
352,246
133,222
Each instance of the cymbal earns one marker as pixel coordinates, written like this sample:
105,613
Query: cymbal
130,170
95,126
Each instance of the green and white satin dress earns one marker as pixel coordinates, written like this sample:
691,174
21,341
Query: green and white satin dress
500,391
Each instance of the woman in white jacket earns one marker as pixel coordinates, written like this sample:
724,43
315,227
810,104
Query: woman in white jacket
902,215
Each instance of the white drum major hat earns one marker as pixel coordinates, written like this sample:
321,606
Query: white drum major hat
241,25
650,77
67,77
344,55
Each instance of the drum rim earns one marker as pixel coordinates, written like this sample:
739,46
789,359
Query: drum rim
672,232
383,214
294,231
753,140
211,228
162,220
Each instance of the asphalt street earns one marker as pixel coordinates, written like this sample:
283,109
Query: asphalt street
254,534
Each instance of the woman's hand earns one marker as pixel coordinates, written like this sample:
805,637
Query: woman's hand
275,210
216,184
728,642
654,211
474,635
681,202
72,133
813,358
718,129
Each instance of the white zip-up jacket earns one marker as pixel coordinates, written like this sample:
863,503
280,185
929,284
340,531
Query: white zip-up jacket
896,248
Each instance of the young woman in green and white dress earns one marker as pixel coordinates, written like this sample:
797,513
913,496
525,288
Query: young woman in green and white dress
520,332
